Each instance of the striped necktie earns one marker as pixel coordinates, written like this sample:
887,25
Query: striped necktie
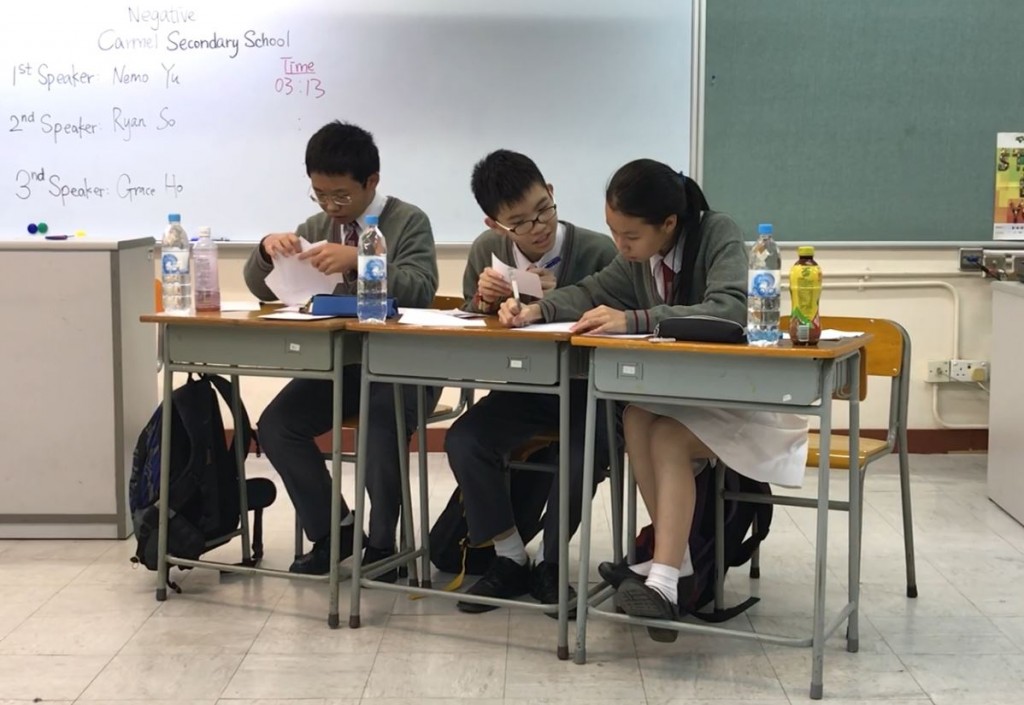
351,234
667,279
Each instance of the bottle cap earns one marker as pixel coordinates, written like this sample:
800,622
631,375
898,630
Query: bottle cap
764,229
805,251
204,232
174,218
372,220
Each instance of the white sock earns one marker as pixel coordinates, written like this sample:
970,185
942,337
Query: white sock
643,569
349,519
687,567
540,552
664,579
511,547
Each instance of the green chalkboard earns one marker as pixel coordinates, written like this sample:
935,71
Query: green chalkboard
870,120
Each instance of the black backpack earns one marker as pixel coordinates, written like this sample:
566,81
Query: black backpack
450,548
204,501
741,518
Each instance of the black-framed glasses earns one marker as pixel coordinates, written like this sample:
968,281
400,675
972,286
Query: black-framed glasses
324,201
544,215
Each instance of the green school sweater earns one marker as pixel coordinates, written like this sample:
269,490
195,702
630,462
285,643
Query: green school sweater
412,260
583,253
718,283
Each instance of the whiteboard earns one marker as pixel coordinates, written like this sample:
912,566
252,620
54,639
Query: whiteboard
117,113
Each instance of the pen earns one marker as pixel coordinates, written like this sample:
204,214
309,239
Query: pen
515,289
552,263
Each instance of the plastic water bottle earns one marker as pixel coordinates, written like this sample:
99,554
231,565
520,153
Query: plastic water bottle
372,287
175,274
764,276
204,262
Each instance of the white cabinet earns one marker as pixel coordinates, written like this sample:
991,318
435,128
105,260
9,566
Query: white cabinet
1006,420
76,383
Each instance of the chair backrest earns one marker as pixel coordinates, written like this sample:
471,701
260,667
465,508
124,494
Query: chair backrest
446,303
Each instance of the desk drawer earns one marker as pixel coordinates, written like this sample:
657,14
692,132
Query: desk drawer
282,349
721,377
464,358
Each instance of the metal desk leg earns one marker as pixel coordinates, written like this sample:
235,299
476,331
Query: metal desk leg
166,422
821,540
856,513
403,475
563,503
614,480
333,619
586,513
629,488
421,436
240,452
360,498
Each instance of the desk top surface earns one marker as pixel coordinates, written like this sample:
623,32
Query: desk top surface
491,329
247,319
825,350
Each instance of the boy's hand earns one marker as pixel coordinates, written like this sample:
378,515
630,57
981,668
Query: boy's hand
492,287
332,258
548,281
601,320
513,314
280,244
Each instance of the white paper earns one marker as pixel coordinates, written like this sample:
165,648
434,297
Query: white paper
295,281
832,334
238,306
437,319
528,282
561,327
292,316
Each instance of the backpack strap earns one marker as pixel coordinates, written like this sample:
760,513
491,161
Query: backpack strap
728,613
226,388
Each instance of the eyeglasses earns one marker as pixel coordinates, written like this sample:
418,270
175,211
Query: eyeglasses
544,215
324,201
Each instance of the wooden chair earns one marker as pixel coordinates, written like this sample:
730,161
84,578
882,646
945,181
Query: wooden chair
887,355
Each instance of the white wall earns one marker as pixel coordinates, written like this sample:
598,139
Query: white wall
926,309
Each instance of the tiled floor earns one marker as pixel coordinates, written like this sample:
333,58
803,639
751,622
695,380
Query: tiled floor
77,622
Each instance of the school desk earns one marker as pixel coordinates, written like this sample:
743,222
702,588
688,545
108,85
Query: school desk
242,343
488,357
786,379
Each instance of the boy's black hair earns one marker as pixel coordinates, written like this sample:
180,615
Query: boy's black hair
652,191
342,149
502,178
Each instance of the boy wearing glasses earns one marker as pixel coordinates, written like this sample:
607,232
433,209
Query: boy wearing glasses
524,232
343,166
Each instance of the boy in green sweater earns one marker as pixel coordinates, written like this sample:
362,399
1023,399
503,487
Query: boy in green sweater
525,233
343,166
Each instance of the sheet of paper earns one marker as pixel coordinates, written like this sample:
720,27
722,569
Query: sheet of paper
832,334
235,306
561,327
529,283
294,281
438,319
292,316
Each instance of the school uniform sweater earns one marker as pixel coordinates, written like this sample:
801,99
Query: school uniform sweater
412,259
584,252
711,282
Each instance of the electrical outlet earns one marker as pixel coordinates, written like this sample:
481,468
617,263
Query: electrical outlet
968,370
971,259
938,371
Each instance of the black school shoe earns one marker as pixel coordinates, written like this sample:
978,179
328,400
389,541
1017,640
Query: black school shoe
637,600
372,555
615,573
318,560
504,578
544,587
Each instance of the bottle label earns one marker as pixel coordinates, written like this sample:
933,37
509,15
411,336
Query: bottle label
174,262
373,268
763,283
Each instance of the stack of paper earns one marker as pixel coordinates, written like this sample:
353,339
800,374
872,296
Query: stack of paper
437,319
295,281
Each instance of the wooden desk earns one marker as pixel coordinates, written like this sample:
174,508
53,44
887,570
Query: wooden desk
786,379
490,357
242,343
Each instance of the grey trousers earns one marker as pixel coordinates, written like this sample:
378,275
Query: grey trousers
301,412
480,441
